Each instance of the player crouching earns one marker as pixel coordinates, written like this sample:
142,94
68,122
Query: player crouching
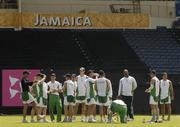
117,107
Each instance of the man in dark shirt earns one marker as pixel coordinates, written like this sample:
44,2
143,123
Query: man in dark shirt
27,97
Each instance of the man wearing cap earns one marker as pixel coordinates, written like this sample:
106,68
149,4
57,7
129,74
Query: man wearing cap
27,97
127,86
81,92
54,100
153,90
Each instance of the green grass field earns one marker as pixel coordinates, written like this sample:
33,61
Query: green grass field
15,121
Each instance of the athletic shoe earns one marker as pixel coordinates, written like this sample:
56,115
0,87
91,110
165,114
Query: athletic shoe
25,121
33,121
90,120
130,119
45,121
109,121
41,121
86,120
58,121
82,120
94,119
74,118
70,120
65,120
159,121
150,122
53,121
101,121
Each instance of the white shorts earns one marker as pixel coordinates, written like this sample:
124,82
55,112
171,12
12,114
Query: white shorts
80,101
66,103
40,104
152,102
168,102
91,102
108,103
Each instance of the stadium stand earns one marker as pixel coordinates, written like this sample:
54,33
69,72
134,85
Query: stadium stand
49,49
157,48
176,34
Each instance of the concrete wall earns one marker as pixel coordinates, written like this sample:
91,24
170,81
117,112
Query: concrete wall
162,13
154,8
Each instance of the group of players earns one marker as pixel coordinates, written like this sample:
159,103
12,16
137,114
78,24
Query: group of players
86,91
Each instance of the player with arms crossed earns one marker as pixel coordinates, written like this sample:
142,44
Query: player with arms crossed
81,93
54,100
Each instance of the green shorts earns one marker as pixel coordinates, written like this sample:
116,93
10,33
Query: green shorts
71,99
102,99
27,98
81,98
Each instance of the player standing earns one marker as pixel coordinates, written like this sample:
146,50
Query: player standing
166,95
27,97
35,93
91,96
42,96
74,80
154,96
69,98
109,99
127,86
81,93
54,99
102,87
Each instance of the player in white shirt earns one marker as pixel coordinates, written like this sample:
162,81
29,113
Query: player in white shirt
127,86
102,88
54,100
166,95
74,80
69,98
91,96
153,90
81,93
110,94
109,97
